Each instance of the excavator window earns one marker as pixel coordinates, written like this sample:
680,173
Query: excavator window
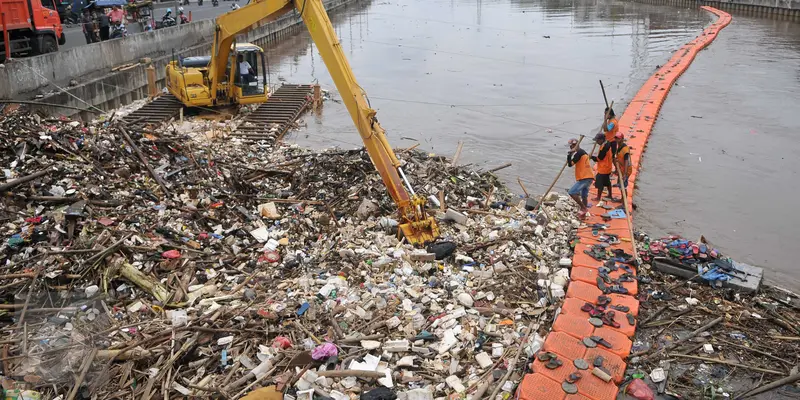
248,65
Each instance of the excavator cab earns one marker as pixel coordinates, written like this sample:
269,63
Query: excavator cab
250,79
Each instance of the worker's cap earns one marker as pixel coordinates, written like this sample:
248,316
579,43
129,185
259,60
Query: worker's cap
599,136
619,135
572,142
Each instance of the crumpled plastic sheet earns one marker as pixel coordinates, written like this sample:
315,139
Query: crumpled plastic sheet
324,351
713,274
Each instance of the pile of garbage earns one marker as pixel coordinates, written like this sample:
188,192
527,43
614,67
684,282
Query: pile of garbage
162,263
699,340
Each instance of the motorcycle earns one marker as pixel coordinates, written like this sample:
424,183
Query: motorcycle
184,19
214,3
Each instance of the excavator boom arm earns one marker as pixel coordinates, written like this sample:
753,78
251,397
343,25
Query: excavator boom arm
415,224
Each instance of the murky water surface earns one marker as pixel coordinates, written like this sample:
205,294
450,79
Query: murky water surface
514,80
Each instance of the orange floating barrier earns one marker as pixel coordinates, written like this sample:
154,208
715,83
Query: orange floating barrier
583,291
595,388
636,123
564,345
573,325
620,344
559,374
612,363
576,396
539,387
590,275
625,300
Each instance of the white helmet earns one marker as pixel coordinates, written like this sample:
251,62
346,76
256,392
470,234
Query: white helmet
180,9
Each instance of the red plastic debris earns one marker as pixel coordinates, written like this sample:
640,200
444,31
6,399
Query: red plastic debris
34,220
171,254
282,342
639,390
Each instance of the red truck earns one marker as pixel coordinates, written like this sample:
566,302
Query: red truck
29,27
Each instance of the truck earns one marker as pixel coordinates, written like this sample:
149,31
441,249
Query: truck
29,27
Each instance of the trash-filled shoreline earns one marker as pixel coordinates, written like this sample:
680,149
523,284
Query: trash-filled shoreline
172,262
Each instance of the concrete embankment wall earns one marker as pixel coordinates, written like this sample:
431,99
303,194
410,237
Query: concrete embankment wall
91,65
789,9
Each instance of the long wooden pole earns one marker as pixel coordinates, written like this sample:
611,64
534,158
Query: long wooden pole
538,205
624,192
605,119
603,88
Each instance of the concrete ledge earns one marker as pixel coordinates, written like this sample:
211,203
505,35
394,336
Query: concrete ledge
779,9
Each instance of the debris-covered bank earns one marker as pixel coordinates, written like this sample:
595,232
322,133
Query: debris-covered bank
175,261
710,334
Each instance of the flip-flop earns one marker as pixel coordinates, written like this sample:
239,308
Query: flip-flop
574,377
546,356
601,284
631,319
588,307
602,342
598,361
603,300
621,308
554,363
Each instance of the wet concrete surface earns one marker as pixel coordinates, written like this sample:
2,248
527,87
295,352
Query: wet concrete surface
514,80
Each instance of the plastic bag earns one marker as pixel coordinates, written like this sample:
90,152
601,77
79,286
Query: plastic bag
282,342
639,390
380,393
324,350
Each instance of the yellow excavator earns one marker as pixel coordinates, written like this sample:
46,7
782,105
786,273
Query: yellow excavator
206,81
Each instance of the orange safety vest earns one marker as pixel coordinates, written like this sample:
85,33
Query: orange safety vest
621,157
604,165
613,132
583,170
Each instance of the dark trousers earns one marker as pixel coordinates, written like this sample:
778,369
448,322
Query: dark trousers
104,30
88,37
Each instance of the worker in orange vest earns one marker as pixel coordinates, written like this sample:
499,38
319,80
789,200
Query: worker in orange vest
605,163
623,154
577,157
611,125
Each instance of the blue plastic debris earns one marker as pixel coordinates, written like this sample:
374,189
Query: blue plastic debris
303,309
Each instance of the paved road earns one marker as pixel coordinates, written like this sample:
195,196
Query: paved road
75,34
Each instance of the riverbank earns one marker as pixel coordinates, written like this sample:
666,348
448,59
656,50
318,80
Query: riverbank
784,9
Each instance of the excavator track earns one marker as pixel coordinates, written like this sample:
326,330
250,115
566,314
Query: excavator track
157,111
274,118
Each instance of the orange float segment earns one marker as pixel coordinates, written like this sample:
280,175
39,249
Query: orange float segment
583,291
576,396
559,374
590,275
539,387
625,300
620,344
595,388
564,345
573,325
612,363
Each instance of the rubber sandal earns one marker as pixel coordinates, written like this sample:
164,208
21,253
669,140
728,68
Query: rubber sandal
554,363
546,356
598,361
621,308
574,377
601,285
602,342
588,307
603,300
631,319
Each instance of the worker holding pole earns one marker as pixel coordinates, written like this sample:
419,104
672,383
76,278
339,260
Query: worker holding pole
623,159
577,158
610,125
604,160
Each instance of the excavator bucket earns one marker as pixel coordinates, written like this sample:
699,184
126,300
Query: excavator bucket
420,232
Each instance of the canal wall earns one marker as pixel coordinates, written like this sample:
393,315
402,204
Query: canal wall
91,65
572,332
773,8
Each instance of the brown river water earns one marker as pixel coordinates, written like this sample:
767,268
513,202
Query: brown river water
514,80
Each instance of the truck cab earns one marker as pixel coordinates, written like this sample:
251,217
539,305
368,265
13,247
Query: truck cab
30,27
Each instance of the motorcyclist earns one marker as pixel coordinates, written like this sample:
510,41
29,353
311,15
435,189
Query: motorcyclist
168,19
234,6
182,16
118,30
